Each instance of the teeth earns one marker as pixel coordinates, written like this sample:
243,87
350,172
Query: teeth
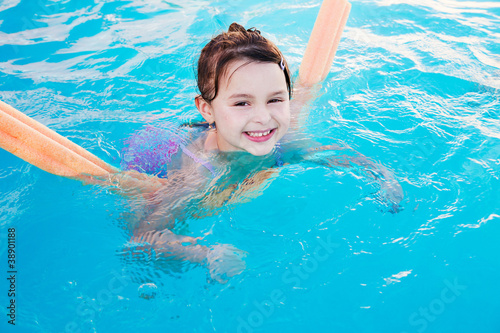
256,135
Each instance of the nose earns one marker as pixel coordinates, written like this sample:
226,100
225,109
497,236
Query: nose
262,114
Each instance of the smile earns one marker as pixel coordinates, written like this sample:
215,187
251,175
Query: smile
260,136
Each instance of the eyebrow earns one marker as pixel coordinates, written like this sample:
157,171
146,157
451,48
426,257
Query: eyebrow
279,92
240,96
251,96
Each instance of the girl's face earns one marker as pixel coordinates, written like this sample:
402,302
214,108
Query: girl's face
252,108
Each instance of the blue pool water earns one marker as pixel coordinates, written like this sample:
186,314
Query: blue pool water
414,87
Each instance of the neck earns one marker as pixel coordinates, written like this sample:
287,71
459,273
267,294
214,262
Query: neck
211,141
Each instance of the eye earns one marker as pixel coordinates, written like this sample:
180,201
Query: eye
243,103
275,100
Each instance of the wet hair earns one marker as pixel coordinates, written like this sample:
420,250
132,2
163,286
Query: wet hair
237,43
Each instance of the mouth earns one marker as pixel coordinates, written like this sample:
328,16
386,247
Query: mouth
260,136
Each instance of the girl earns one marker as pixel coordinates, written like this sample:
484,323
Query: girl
245,90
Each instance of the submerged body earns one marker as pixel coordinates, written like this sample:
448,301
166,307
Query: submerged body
202,182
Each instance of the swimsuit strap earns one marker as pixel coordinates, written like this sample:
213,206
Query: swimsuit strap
206,164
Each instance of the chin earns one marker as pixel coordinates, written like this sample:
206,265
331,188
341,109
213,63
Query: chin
261,152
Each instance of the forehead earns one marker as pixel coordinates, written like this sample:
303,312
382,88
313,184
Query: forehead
248,73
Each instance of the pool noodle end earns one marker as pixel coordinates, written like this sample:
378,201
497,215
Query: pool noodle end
324,41
333,50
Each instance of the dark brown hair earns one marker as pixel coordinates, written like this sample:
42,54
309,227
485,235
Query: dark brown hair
235,44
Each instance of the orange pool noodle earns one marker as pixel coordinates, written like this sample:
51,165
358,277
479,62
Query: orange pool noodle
324,40
42,151
32,156
54,136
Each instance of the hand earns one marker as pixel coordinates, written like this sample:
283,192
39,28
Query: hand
225,261
391,194
129,182
134,180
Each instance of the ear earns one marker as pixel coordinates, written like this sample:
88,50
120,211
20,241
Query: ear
205,109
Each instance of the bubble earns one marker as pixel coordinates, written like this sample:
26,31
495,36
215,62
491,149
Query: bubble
148,290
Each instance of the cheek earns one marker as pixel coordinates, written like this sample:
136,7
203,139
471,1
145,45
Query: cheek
285,115
229,123
220,116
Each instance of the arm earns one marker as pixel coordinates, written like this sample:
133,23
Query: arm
153,237
390,191
222,260
300,105
129,183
